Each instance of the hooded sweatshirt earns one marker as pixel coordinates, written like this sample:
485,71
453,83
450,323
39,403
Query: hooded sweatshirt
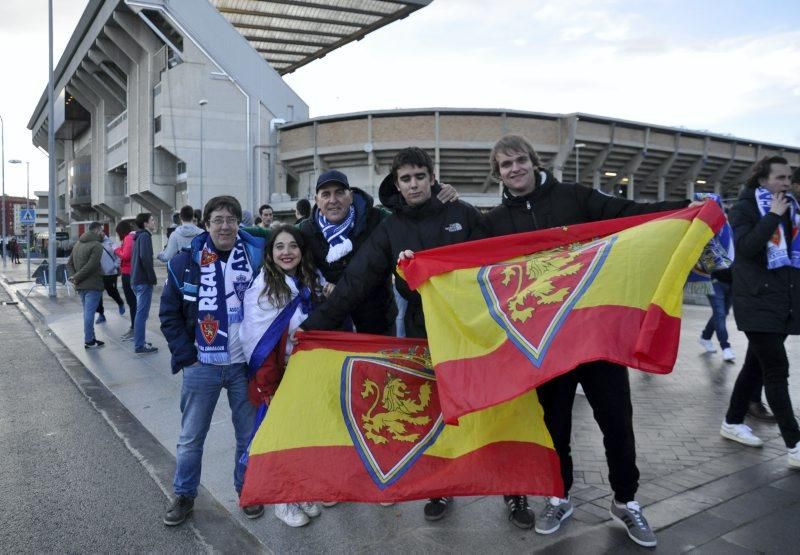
179,239
84,262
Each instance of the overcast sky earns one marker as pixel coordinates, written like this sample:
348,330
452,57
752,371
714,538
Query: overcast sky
727,66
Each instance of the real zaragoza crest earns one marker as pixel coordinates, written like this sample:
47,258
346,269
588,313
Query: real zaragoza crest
391,410
530,298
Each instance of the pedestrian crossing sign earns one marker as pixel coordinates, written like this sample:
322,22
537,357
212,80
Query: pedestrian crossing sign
27,216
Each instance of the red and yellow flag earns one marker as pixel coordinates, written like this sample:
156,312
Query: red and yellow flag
357,418
506,314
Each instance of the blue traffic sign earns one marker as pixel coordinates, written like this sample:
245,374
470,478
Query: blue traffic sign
27,216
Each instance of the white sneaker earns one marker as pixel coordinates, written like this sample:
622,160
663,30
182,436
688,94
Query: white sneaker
387,504
329,503
728,355
741,433
291,514
794,456
708,345
310,508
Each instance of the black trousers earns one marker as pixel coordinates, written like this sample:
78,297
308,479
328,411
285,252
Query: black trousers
608,391
130,296
766,359
110,284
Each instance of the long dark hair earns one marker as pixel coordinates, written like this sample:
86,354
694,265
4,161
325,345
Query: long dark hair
275,288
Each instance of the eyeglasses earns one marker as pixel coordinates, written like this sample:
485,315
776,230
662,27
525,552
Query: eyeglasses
229,220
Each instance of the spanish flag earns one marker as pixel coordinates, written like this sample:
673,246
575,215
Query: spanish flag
507,314
357,418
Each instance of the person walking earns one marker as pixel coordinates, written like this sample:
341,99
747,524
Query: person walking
126,232
143,280
109,262
766,299
182,236
87,276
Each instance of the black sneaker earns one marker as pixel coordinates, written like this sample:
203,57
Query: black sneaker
758,411
253,511
179,510
436,508
147,349
94,344
518,511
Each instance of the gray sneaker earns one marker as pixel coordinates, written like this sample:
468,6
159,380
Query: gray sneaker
127,336
554,513
631,517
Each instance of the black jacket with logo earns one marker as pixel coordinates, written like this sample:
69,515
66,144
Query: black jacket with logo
376,314
764,300
554,204
415,228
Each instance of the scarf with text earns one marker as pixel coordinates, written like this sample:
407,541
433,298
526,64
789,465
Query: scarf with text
779,251
219,299
336,235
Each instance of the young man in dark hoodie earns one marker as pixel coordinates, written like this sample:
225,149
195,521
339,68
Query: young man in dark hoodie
143,279
533,199
418,221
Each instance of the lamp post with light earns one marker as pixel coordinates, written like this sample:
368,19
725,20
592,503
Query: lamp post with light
3,157
201,103
28,201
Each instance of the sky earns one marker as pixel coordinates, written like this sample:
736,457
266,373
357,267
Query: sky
725,66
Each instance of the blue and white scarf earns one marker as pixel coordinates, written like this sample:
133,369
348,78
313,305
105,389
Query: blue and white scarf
273,333
716,255
219,298
778,254
337,235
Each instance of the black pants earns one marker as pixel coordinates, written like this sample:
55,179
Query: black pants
608,391
110,284
130,296
766,359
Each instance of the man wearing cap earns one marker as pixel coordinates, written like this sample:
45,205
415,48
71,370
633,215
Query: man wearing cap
342,220
419,220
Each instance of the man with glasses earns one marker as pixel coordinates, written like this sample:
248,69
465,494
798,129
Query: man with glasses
201,311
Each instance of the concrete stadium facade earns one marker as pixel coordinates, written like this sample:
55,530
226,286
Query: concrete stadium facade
163,103
632,159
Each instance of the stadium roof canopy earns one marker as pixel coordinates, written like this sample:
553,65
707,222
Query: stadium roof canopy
291,33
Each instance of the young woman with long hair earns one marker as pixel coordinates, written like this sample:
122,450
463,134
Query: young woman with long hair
275,305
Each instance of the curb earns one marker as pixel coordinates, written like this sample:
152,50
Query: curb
223,533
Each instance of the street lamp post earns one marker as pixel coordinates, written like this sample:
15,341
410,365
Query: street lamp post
578,148
202,104
3,156
28,206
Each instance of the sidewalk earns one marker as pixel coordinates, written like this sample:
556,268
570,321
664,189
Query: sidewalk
699,490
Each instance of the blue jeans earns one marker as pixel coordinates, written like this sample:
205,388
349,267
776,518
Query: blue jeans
90,299
720,307
202,384
144,294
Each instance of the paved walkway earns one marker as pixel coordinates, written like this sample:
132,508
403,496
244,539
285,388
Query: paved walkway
700,491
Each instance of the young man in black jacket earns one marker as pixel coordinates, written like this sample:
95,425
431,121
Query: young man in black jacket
419,221
143,280
533,199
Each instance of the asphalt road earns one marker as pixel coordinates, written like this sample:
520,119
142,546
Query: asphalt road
67,481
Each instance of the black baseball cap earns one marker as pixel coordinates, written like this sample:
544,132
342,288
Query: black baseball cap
332,176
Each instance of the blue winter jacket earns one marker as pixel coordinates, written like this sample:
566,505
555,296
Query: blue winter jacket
178,310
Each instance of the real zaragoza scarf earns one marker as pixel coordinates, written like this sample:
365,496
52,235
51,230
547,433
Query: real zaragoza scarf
778,251
219,299
337,235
